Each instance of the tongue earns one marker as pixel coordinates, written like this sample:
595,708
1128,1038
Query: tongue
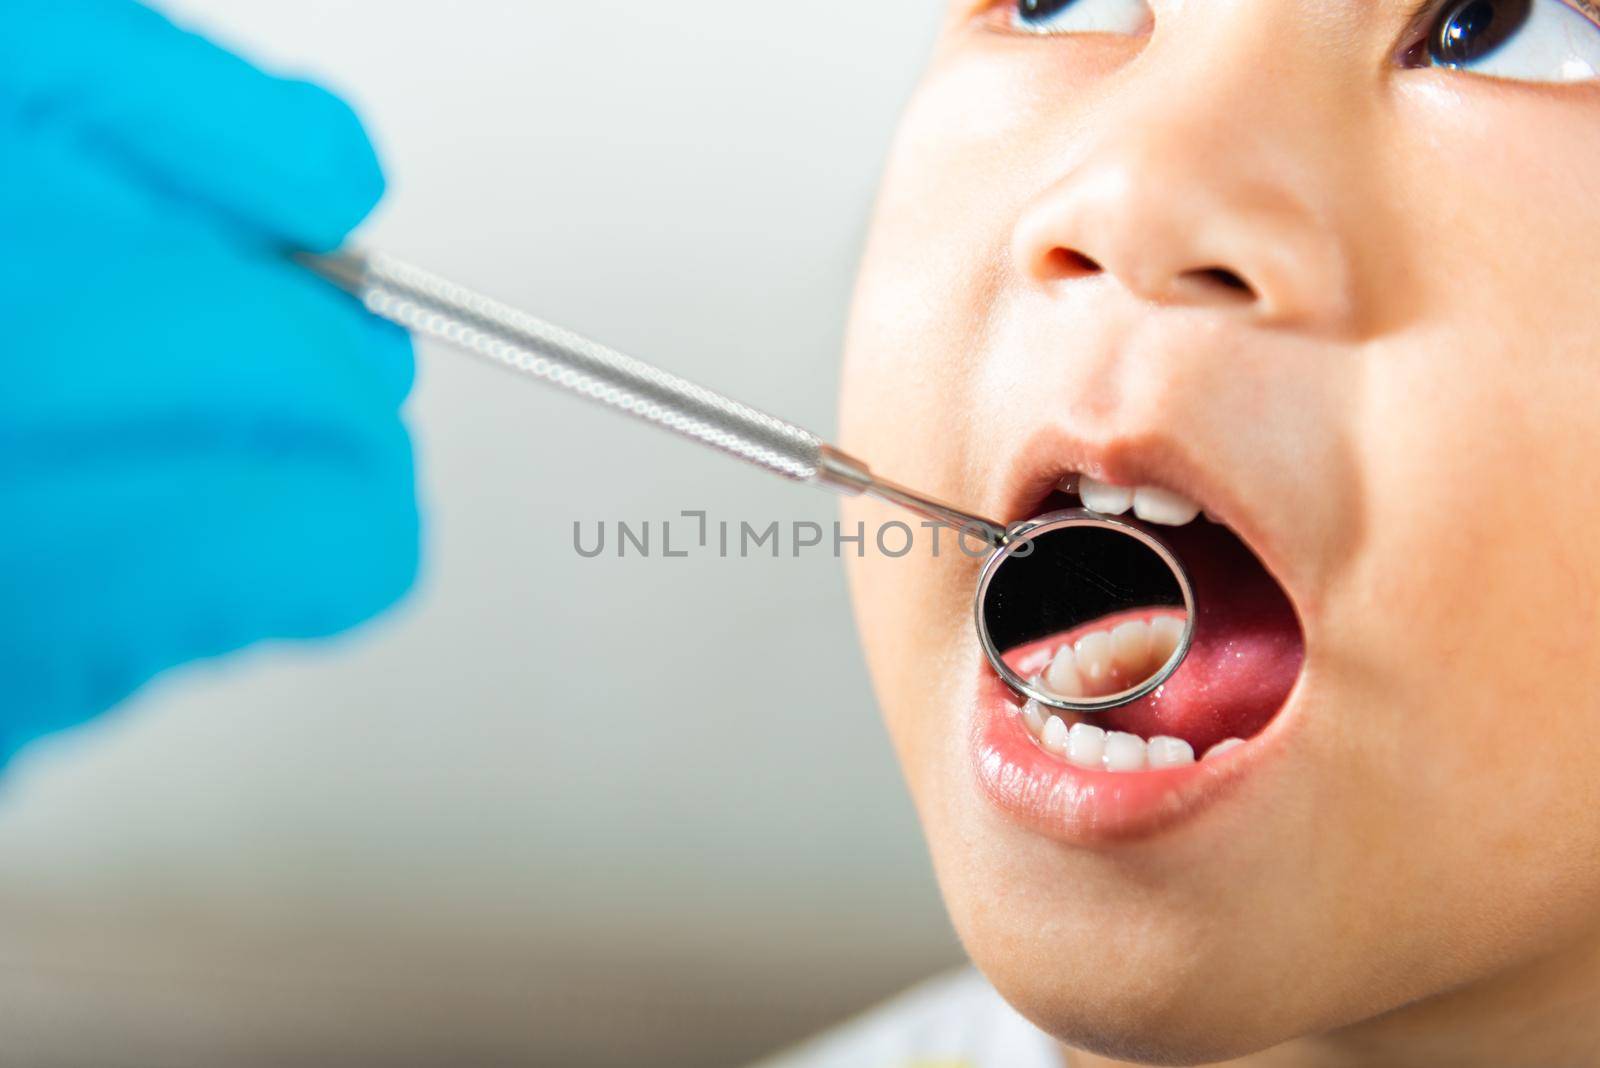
1245,655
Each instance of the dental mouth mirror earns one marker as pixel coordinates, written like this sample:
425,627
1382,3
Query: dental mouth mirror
1079,611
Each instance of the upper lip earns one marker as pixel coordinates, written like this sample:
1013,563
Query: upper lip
1149,459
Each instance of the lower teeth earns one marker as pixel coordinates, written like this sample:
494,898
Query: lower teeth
1088,746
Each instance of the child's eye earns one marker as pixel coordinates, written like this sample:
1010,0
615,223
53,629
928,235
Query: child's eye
1524,40
1081,16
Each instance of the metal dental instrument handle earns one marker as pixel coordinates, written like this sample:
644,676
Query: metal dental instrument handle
427,304
1093,567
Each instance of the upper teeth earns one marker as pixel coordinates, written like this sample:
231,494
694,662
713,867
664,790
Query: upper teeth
1103,662
1150,503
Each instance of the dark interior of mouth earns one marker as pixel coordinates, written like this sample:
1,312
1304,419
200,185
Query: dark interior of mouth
1247,647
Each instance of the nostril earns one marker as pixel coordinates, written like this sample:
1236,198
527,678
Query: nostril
1069,263
1216,283
1225,278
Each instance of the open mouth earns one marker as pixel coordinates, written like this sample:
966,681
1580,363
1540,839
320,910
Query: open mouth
1241,666
1133,766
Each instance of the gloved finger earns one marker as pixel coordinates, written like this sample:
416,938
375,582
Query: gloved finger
233,545
165,107
226,486
66,225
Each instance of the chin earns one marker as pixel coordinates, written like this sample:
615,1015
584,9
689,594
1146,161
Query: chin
1173,1004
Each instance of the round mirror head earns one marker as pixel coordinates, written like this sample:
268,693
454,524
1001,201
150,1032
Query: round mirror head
1084,612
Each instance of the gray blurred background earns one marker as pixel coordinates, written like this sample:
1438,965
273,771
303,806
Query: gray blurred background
552,810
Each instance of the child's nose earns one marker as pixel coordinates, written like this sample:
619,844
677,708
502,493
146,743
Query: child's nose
1198,203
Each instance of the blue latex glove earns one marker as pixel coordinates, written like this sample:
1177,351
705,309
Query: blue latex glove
200,444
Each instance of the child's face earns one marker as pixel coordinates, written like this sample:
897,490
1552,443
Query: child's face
1393,396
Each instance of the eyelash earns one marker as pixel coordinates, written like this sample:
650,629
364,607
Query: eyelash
997,13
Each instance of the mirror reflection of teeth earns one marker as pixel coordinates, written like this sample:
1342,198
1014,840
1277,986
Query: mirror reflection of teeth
1105,661
1088,746
1150,503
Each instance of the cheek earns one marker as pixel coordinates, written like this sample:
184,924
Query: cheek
1492,198
1470,618
1477,428
1477,605
975,140
911,405
913,616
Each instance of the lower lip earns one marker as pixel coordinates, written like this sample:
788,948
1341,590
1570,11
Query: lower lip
1082,806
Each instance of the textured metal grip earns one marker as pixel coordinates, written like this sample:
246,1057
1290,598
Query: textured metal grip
427,304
